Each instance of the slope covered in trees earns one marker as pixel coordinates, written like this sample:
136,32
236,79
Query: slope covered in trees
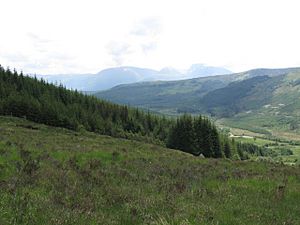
39,101
46,103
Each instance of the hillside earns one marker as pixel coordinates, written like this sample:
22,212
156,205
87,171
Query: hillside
56,176
41,102
260,93
271,108
171,96
250,94
164,96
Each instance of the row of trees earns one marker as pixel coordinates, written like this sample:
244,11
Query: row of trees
198,135
39,101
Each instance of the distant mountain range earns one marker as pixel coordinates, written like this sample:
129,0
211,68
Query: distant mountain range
259,99
111,77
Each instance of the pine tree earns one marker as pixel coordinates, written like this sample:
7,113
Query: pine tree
207,139
182,135
215,141
227,149
199,136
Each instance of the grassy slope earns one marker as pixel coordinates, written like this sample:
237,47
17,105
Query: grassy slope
56,176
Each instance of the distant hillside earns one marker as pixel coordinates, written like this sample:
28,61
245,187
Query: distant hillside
182,95
111,77
249,93
272,106
162,95
240,96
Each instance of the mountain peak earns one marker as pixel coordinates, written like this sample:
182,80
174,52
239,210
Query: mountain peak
114,76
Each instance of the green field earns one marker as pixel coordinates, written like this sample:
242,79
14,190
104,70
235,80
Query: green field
57,176
279,145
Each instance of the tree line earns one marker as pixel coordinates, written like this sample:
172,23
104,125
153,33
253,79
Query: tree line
42,102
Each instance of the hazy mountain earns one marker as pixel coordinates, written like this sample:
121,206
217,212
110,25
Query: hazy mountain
200,70
71,81
111,77
105,79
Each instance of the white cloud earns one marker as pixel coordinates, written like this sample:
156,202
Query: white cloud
64,36
118,51
150,26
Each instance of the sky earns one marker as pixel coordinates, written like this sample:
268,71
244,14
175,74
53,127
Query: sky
86,36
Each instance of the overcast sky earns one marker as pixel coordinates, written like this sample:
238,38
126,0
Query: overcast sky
86,36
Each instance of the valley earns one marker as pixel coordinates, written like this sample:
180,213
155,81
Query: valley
263,101
285,150
149,112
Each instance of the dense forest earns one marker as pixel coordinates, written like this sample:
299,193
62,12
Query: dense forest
41,102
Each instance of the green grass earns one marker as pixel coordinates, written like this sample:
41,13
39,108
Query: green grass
56,176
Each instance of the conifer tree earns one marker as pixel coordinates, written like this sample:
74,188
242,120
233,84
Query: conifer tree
215,142
227,149
199,135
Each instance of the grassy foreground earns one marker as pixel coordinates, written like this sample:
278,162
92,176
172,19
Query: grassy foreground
56,176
